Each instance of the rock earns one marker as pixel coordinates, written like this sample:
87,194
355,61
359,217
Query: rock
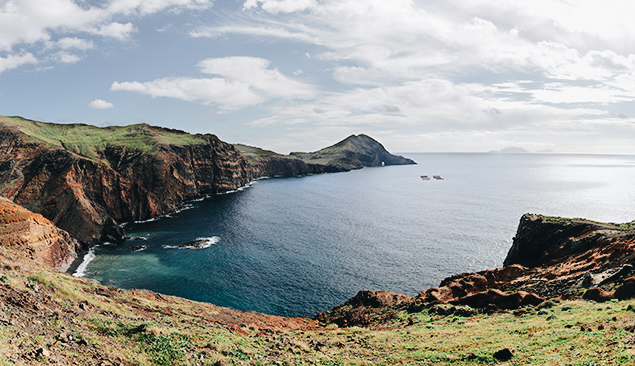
133,173
377,299
598,295
500,299
138,248
627,290
43,352
36,236
196,244
354,152
503,355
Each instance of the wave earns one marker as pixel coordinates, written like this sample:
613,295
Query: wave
148,220
199,243
248,185
88,257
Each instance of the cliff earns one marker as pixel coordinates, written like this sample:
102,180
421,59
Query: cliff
551,258
354,152
49,317
87,180
35,237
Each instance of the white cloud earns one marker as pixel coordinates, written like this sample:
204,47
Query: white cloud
15,61
243,81
75,43
115,30
34,25
280,6
145,7
100,104
255,72
66,58
229,95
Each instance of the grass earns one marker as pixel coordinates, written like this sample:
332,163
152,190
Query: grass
129,328
90,141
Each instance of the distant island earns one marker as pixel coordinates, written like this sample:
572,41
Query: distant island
511,150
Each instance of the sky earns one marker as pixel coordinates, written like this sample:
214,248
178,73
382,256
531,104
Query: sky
299,75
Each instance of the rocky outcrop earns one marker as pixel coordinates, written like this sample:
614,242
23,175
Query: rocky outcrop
267,163
354,152
110,176
551,257
35,237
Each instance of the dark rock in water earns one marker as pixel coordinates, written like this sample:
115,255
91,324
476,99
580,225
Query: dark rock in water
138,248
195,244
503,355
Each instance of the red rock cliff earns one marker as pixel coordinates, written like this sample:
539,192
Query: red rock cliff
35,236
88,188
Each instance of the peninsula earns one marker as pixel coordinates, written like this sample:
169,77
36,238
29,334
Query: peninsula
564,295
89,180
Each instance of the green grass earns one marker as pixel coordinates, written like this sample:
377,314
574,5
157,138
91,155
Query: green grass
124,328
89,141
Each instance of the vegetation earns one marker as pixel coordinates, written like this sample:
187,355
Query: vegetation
63,320
89,141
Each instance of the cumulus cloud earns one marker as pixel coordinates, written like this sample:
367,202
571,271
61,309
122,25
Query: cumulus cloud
100,104
35,25
243,81
67,43
14,61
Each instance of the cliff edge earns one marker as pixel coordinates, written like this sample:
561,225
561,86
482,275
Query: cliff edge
35,237
551,258
88,180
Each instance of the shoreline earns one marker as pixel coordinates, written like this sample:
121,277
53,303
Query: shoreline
82,255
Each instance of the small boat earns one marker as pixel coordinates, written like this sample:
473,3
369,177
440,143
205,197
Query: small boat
425,177
437,177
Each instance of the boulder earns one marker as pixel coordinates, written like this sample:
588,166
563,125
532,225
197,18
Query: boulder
627,290
598,295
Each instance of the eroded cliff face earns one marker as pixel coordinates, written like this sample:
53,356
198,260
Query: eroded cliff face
35,237
551,257
88,196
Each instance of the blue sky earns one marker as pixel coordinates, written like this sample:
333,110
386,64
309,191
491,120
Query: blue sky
298,75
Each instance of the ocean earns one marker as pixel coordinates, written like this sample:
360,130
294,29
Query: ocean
299,246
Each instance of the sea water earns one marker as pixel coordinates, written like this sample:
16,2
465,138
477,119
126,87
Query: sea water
298,246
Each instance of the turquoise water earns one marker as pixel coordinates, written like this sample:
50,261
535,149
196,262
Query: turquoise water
298,246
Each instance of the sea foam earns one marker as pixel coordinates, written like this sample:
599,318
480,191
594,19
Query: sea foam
199,243
88,257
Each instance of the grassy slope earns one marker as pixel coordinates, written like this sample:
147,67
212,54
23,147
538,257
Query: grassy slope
88,140
80,321
323,156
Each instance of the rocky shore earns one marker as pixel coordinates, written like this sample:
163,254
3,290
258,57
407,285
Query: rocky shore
520,313
550,258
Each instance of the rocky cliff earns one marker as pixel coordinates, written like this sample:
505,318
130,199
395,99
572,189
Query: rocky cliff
87,180
35,237
551,258
354,152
